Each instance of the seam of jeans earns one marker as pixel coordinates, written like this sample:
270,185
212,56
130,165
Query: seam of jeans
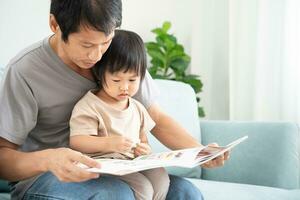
40,196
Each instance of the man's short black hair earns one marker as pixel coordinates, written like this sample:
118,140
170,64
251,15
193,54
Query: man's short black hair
101,15
125,53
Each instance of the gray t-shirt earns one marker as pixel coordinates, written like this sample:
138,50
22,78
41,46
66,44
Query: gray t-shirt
37,95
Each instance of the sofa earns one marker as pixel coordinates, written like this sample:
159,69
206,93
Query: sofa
264,167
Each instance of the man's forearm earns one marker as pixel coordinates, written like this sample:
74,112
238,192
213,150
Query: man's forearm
172,134
16,165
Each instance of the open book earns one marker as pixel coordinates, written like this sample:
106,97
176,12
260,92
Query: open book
188,158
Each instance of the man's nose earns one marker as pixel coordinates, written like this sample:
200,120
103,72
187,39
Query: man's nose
95,54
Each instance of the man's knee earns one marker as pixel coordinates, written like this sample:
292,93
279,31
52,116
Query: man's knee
181,188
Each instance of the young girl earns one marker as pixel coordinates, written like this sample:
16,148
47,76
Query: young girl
109,122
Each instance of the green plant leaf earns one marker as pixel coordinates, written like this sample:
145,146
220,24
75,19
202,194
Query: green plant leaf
157,55
158,76
166,41
166,26
176,51
195,83
158,31
157,62
179,66
169,60
201,112
153,46
193,76
152,71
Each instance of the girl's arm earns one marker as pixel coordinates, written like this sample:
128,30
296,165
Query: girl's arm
96,144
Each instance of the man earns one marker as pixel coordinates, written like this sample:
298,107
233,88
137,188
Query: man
40,88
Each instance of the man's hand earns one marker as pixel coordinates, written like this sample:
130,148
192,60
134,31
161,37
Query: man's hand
119,144
62,162
142,149
218,161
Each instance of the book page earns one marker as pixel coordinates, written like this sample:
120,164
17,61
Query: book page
188,158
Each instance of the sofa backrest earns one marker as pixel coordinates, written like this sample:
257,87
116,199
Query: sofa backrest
179,101
269,157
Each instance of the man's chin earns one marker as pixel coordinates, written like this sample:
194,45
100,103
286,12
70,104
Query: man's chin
87,66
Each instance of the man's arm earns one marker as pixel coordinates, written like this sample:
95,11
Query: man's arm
16,165
169,132
174,136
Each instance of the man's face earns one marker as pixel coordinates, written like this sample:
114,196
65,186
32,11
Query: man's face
121,85
84,48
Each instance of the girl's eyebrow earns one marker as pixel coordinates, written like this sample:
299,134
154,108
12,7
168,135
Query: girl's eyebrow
118,76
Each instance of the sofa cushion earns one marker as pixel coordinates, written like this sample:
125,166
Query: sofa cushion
4,186
269,157
215,190
179,101
4,196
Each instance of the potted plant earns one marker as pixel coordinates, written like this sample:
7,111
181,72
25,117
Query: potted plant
169,61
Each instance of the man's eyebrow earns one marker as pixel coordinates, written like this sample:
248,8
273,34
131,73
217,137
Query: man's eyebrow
90,43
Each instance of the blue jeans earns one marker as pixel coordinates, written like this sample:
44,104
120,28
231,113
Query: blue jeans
48,187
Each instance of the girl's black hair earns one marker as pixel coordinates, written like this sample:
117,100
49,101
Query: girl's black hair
125,53
101,15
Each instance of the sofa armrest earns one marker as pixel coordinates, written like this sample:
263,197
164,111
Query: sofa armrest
269,157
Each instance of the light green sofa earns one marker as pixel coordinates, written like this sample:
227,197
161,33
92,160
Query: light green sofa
264,167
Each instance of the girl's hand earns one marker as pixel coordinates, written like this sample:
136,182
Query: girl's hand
119,144
142,149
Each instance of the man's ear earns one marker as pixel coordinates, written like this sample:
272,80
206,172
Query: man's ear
53,24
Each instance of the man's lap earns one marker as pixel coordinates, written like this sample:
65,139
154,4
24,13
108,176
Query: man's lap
182,189
105,187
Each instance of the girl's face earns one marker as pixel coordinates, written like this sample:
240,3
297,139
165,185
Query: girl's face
121,85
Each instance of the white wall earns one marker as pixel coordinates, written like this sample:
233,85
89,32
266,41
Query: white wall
22,22
210,52
200,25
144,15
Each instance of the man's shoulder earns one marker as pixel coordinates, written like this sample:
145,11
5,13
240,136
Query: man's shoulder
28,58
26,53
